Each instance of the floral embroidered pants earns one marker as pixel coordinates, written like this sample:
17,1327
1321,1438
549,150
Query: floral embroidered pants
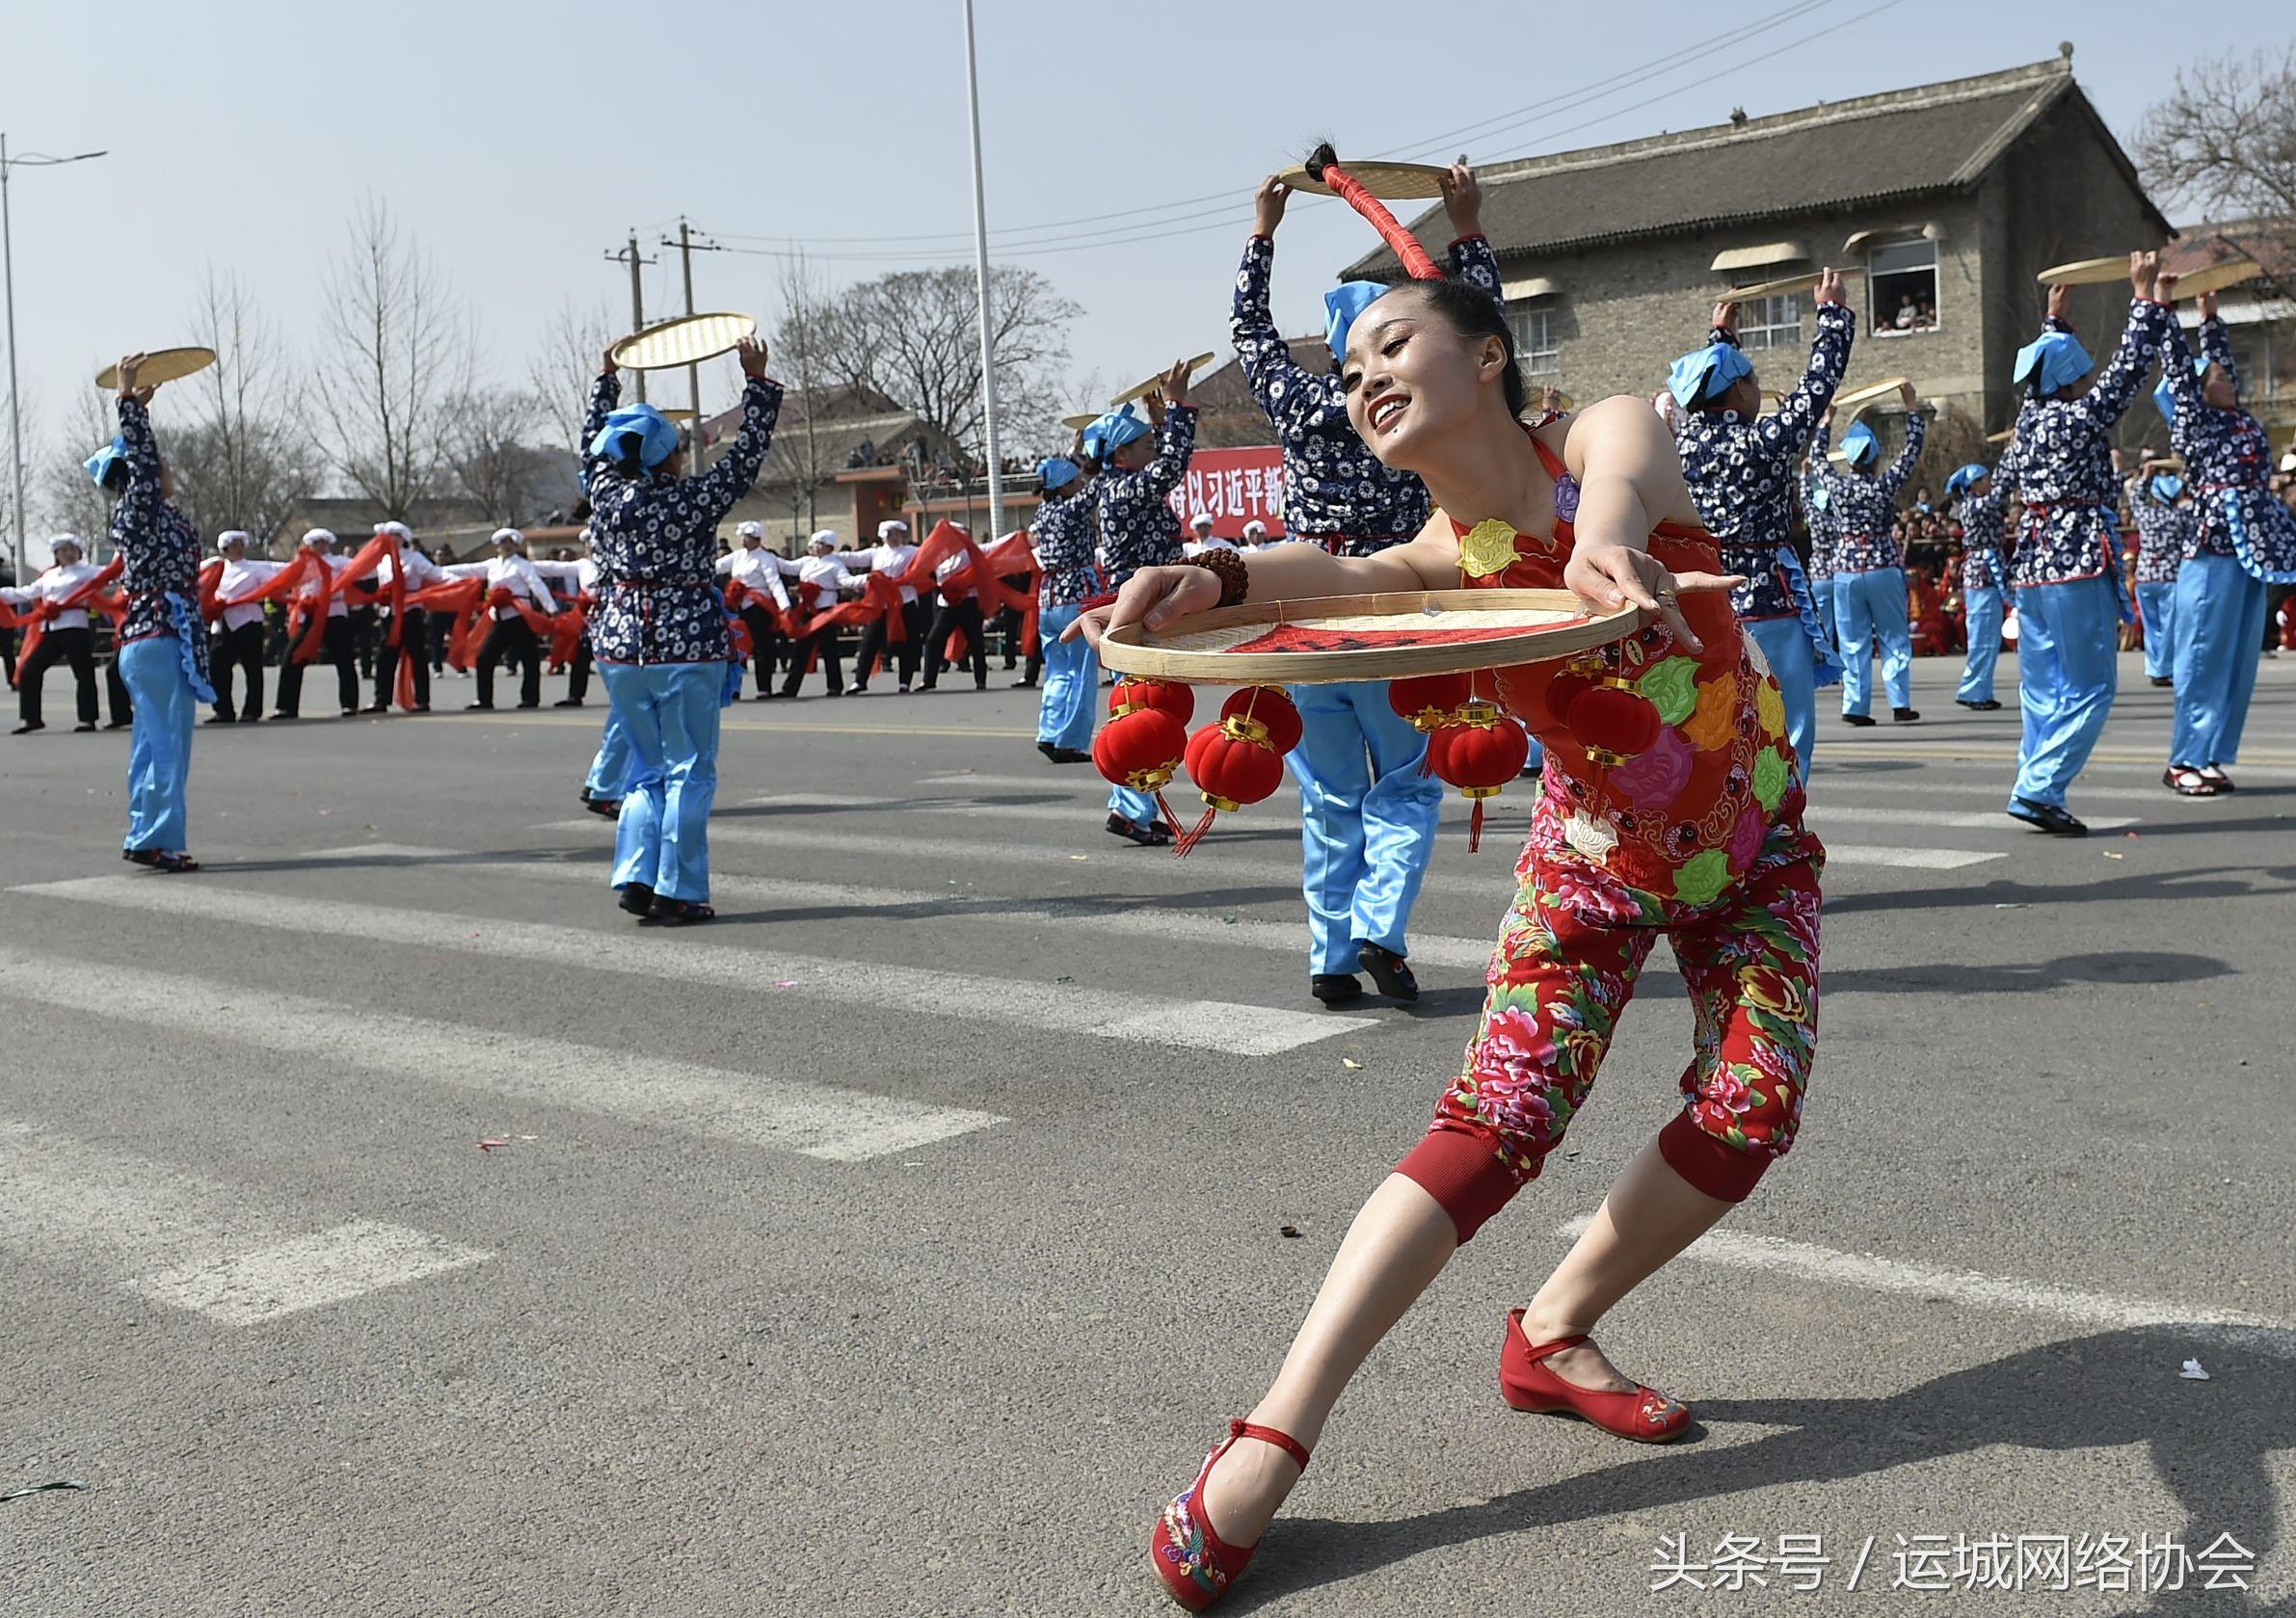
1573,943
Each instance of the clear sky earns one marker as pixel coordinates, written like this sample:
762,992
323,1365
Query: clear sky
521,142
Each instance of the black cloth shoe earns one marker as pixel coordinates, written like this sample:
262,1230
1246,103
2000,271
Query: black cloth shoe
1023,685
257,718
2215,776
678,912
373,707
2048,817
1988,705
30,726
1389,970
220,719
1905,716
637,898
1860,719
115,725
2163,681
478,708
78,729
1059,755
1156,834
577,702
1335,988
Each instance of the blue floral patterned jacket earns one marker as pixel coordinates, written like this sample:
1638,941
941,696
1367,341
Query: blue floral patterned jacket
1062,538
2061,463
159,549
655,540
1335,489
2165,532
1137,526
1862,507
1983,566
1742,472
2228,460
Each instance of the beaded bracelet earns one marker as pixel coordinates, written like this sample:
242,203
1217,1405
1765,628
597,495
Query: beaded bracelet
1235,578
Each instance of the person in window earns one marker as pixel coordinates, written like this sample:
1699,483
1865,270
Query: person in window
1869,581
1926,315
2246,543
1740,467
2068,593
1907,314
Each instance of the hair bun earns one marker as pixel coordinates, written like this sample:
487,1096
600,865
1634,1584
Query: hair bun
1318,159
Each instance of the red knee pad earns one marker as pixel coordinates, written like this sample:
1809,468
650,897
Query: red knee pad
1715,1167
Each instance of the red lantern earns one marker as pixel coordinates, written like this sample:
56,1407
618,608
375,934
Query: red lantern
1479,754
1140,748
1613,722
1232,763
1429,700
1173,698
1269,708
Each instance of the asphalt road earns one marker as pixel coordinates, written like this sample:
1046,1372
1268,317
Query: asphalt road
900,1244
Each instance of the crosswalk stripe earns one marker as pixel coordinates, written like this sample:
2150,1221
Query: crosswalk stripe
1739,1250
1898,856
191,1242
1235,1029
1098,916
815,1120
1822,812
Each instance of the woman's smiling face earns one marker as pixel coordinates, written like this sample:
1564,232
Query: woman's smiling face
1411,377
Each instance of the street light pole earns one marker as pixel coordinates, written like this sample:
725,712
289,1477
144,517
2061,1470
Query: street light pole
980,267
16,403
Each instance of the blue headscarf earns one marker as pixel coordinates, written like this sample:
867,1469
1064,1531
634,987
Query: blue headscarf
1341,304
1704,373
99,464
640,428
2056,357
1112,431
1964,476
1859,445
1057,471
2164,397
2167,486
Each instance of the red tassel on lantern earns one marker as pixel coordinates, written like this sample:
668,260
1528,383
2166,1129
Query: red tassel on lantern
1173,698
1429,700
1479,754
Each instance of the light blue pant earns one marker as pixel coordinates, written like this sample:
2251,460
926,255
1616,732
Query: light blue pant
1820,591
159,746
1071,700
1135,807
2157,606
1785,645
1866,605
2069,639
2220,635
669,711
610,769
1986,610
1367,820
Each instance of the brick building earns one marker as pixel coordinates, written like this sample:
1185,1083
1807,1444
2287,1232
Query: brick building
1947,196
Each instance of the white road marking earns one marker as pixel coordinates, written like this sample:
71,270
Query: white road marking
1240,1030
1094,914
1507,836
1809,1262
183,1239
1823,813
840,1124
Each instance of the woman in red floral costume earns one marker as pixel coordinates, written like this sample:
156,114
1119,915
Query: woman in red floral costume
1672,808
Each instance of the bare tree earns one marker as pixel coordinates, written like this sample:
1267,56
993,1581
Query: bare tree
489,457
72,503
2225,137
562,367
13,568
398,351
798,459
245,460
916,335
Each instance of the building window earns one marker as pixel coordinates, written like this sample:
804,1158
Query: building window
1774,322
1902,279
1537,342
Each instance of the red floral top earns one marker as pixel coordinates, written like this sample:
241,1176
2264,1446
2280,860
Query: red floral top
1667,769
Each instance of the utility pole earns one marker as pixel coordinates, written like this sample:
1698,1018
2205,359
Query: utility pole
637,294
981,265
15,408
687,245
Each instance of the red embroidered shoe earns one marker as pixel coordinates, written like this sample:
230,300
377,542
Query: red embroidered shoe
1195,1564
1646,1416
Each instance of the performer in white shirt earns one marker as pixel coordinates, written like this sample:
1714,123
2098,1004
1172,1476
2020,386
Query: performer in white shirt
511,637
69,639
1255,534
755,569
604,786
821,578
237,641
414,637
335,645
1201,538
891,556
